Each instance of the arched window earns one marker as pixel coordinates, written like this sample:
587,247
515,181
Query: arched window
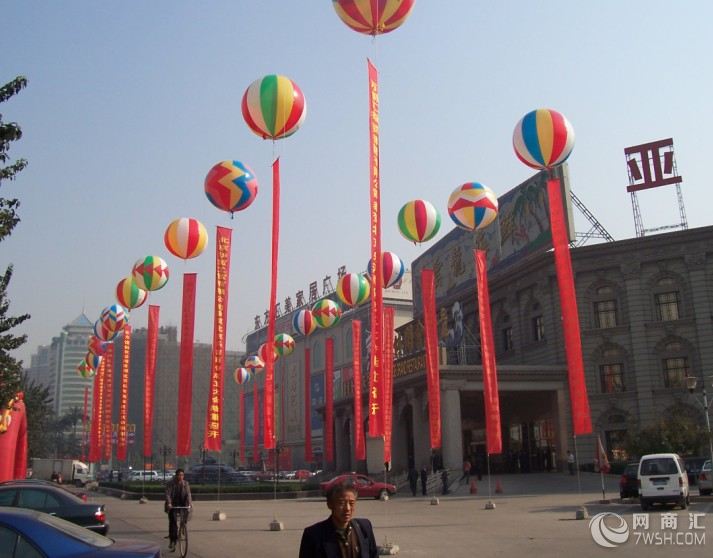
667,299
611,370
605,308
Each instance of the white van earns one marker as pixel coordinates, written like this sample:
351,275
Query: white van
146,476
662,480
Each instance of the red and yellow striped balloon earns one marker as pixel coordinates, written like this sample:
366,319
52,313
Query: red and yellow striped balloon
419,221
185,238
129,295
274,107
353,289
373,17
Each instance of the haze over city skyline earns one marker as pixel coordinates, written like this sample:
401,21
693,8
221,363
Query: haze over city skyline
128,108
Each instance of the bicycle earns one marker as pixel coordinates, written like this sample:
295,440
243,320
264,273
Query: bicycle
182,541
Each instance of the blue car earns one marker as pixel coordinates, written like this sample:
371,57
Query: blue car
33,534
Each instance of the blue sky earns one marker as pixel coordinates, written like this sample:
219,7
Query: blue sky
130,104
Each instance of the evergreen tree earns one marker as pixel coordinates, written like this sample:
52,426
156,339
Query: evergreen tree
38,404
10,369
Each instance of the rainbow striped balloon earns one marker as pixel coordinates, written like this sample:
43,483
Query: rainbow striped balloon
373,17
113,319
93,361
303,322
543,138
262,352
230,186
284,344
129,295
254,363
473,206
326,313
419,221
353,289
150,273
185,238
274,107
84,370
242,376
392,269
97,346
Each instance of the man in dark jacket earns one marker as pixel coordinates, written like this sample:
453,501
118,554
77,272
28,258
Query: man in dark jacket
340,534
178,494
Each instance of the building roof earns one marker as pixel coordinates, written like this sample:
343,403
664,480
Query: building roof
81,321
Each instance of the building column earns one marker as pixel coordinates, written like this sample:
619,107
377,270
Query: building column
451,425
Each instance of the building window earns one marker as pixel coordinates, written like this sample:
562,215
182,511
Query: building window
612,377
605,313
508,344
667,306
675,371
538,328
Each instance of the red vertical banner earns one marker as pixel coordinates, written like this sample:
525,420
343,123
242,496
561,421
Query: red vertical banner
108,393
329,400
185,365
388,380
241,426
359,442
309,457
269,394
433,382
376,414
96,426
214,411
149,379
256,423
494,442
121,438
581,418
84,424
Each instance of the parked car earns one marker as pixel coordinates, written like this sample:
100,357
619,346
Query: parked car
145,476
662,480
210,473
365,486
629,481
32,533
303,474
54,500
693,468
705,480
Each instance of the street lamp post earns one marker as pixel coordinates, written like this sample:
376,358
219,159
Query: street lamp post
691,382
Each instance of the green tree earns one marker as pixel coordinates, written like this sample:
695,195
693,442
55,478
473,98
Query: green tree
677,433
10,369
40,415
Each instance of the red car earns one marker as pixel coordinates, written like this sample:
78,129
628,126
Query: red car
365,486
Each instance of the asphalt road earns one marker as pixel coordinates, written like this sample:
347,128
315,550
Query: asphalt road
534,515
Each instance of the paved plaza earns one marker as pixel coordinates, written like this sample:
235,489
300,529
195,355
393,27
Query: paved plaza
535,515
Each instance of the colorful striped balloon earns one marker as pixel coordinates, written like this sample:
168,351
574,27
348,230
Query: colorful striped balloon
84,370
284,344
114,317
262,352
242,376
353,289
185,238
392,269
303,322
97,346
274,107
543,138
150,273
129,295
254,363
472,206
419,221
103,332
326,313
93,361
373,17
231,186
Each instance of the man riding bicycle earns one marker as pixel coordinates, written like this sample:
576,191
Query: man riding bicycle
178,495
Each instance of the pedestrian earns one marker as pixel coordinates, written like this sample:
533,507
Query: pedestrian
413,480
424,480
444,480
178,494
466,472
570,462
340,534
